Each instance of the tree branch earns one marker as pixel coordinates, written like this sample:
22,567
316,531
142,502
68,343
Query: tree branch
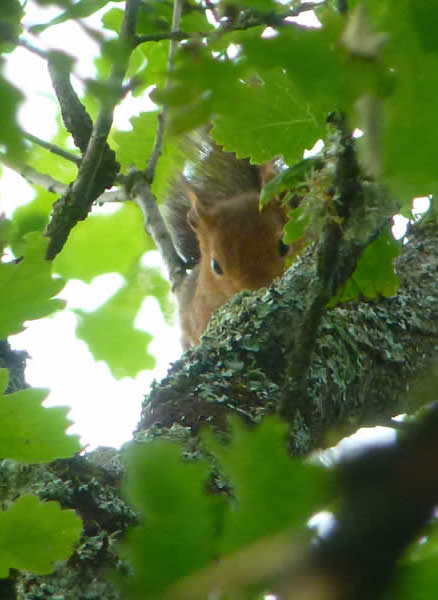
268,21
98,168
141,190
332,270
34,177
53,148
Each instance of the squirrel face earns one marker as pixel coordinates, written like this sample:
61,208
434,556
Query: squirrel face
241,248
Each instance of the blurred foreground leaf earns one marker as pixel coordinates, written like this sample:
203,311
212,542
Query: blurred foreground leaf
34,534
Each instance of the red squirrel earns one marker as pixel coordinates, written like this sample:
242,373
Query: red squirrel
216,222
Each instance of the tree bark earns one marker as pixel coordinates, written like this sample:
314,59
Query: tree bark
364,360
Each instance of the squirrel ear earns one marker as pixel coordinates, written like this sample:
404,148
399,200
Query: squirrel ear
196,211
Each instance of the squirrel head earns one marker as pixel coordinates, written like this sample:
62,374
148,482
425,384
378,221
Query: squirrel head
241,246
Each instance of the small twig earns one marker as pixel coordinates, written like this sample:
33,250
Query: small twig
53,148
34,177
170,35
50,184
31,48
141,188
113,197
178,35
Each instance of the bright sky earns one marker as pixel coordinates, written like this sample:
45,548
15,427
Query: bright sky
105,411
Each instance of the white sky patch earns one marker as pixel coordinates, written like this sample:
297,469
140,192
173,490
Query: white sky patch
14,191
421,205
316,149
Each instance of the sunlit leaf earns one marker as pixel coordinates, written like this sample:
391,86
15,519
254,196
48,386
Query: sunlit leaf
374,275
27,287
110,334
104,244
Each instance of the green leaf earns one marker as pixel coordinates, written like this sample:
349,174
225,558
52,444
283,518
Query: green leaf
267,6
154,16
409,149
273,491
374,275
109,331
288,179
11,13
296,225
27,287
104,244
31,433
177,535
195,21
10,135
135,146
34,534
155,71
270,116
79,10
112,19
424,16
30,217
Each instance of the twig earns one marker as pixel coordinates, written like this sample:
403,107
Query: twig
53,148
141,188
170,35
50,184
34,177
31,48
277,20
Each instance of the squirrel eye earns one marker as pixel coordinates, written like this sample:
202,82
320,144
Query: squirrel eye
215,266
283,248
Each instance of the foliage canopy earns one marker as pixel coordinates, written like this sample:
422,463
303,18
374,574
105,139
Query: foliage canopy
270,88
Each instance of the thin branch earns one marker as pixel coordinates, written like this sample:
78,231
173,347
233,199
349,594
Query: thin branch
141,188
53,148
34,177
31,48
268,21
172,36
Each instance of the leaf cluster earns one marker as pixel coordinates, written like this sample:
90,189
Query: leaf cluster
185,527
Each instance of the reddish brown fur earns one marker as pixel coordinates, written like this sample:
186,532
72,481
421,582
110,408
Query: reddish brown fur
244,241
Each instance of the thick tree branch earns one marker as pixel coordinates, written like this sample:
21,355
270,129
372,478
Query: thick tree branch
363,362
